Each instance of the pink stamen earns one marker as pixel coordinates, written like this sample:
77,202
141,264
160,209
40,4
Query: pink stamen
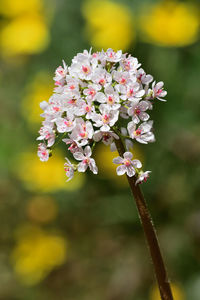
56,108
110,99
72,101
137,111
87,108
102,81
85,69
105,118
83,134
137,132
127,163
123,81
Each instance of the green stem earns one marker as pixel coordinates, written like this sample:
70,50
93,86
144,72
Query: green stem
150,233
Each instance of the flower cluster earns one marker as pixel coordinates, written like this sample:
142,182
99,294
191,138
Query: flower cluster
101,97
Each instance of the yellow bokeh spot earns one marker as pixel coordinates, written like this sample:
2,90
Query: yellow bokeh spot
26,34
40,89
107,169
46,176
42,209
108,24
170,23
37,253
12,8
176,290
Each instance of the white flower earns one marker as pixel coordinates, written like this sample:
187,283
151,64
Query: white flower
143,133
106,119
107,137
137,111
143,78
64,124
113,56
86,161
157,90
47,133
109,97
127,164
43,152
82,132
143,176
69,169
94,97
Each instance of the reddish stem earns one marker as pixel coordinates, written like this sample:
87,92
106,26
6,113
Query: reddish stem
150,233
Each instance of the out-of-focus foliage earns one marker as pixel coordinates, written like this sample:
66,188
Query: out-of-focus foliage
82,239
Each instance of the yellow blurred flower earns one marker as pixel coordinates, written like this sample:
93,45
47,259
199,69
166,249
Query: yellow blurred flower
46,176
107,169
108,24
42,209
40,89
12,8
176,290
37,253
170,23
26,34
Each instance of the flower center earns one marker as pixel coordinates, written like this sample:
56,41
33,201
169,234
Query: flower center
106,137
110,100
102,81
123,81
86,161
72,101
137,111
83,134
159,91
56,108
127,162
87,108
92,92
137,132
85,69
105,118
68,123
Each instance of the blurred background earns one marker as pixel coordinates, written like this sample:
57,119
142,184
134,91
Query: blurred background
83,239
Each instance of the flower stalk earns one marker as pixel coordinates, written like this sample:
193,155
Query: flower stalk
150,233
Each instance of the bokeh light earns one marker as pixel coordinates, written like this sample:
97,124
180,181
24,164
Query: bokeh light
109,24
170,23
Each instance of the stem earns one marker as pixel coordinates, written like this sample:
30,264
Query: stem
150,233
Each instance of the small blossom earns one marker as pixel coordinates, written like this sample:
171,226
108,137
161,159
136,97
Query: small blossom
107,137
43,152
157,90
127,164
69,169
86,161
143,133
142,177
